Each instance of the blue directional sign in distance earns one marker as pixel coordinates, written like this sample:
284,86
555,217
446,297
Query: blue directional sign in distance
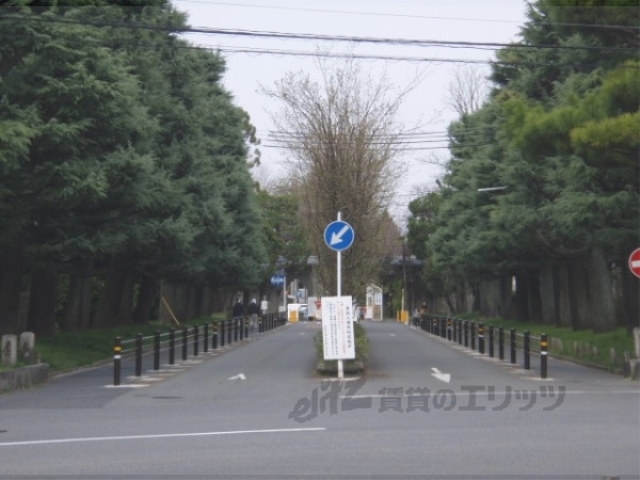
338,235
277,280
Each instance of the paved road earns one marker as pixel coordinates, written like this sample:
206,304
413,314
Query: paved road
282,420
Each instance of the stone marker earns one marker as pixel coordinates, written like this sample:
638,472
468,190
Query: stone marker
9,349
27,343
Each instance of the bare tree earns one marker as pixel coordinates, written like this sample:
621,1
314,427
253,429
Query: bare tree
467,91
344,142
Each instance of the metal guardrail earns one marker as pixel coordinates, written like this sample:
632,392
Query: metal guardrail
214,335
474,334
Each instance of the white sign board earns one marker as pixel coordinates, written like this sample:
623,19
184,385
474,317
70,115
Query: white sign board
338,337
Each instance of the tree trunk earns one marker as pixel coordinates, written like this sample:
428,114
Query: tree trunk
194,301
42,300
206,306
534,303
110,303
77,310
562,294
167,297
125,308
11,265
522,298
579,294
148,294
602,306
547,295
491,300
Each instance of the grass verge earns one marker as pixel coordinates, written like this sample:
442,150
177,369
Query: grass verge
362,350
67,351
606,350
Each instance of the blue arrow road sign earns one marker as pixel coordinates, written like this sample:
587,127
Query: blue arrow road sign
338,235
277,280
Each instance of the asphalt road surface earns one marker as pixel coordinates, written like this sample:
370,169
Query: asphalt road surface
425,408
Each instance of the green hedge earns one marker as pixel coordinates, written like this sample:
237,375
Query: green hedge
362,347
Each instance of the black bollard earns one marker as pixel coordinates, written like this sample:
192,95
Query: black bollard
527,350
513,345
139,355
185,335
473,336
543,355
223,334
205,342
466,333
156,351
491,341
172,346
481,337
196,340
117,360
214,336
501,343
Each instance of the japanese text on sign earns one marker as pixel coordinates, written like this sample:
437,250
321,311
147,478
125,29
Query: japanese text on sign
337,328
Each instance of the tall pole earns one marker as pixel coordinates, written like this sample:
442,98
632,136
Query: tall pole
284,298
340,363
339,265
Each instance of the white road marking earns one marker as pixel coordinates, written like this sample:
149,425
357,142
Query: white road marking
240,376
151,437
445,377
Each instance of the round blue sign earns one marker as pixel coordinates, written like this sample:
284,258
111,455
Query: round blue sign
338,235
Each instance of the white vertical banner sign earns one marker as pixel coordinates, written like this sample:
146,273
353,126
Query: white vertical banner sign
337,328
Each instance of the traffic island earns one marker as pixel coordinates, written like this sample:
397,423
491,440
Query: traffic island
356,366
350,367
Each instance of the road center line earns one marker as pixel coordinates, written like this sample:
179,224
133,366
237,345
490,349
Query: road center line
150,437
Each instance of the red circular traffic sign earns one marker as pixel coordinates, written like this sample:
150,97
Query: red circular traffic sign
634,262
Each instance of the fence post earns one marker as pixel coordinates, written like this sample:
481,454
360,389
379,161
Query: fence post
513,345
139,355
117,360
481,337
491,335
156,351
172,346
543,355
196,334
501,343
185,334
527,350
205,342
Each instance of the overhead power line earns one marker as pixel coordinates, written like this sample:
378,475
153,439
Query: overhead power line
307,36
411,16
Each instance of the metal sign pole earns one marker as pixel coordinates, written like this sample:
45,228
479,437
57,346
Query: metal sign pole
284,298
339,253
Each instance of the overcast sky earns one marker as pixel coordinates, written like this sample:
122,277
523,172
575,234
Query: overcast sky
496,21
